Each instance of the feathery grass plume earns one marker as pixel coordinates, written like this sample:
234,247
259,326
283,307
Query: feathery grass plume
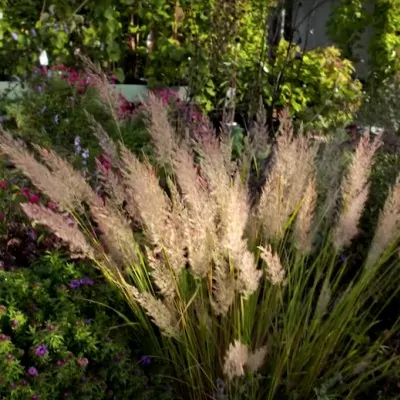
257,359
223,287
116,233
285,183
323,300
161,132
274,268
198,215
62,184
303,228
233,219
235,360
159,313
63,227
354,190
232,211
162,275
388,228
73,181
106,143
160,222
108,95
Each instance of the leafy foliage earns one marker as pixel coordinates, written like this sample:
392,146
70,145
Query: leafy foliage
60,339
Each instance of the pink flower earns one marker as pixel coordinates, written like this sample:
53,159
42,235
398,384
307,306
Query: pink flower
34,198
51,205
3,184
82,362
25,192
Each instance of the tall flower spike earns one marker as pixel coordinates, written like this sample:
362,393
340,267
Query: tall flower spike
303,228
257,359
157,311
160,129
355,191
274,268
61,183
388,228
62,227
235,360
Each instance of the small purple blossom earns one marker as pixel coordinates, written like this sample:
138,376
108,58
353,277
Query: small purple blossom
77,141
57,119
56,27
39,88
85,154
78,150
33,32
145,360
1,119
41,350
14,35
343,258
49,73
75,284
32,371
86,281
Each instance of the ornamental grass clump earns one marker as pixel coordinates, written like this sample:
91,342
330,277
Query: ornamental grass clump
246,301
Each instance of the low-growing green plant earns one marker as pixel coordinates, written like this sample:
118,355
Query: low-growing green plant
245,301
60,337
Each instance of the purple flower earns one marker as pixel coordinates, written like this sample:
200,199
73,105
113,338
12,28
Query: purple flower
85,154
86,281
39,88
14,36
145,360
77,141
343,258
32,371
33,32
56,27
78,149
1,119
41,350
57,119
14,323
75,284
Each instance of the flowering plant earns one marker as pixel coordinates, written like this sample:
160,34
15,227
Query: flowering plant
57,342
226,283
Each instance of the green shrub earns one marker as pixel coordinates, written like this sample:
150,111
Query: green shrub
317,87
237,297
61,338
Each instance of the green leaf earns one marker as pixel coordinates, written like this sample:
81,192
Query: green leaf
119,73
